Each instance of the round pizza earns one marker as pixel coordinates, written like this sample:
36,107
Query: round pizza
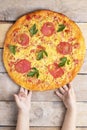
43,50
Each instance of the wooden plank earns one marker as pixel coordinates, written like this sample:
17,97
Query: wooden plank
72,9
5,26
39,128
42,114
15,9
2,69
83,68
84,31
18,8
8,88
3,30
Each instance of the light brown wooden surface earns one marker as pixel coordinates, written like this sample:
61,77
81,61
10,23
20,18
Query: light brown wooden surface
39,128
42,114
10,10
8,88
44,104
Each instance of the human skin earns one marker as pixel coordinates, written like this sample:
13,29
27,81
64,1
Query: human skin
23,101
67,95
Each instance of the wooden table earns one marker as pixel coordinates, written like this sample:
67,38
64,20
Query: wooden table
47,111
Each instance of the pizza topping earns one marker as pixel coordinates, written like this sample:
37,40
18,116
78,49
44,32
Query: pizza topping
76,61
48,29
22,39
11,63
71,39
36,16
41,54
15,32
55,18
63,61
33,72
64,48
33,30
23,66
61,27
76,45
55,71
32,51
12,48
39,47
28,17
67,31
68,62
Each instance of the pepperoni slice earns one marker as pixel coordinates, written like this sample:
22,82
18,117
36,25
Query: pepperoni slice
23,66
64,48
47,29
55,71
22,39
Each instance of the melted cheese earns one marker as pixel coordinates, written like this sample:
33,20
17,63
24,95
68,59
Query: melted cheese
50,44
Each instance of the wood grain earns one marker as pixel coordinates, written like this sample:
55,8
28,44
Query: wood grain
46,111
11,10
8,88
42,102
5,26
42,114
3,30
39,128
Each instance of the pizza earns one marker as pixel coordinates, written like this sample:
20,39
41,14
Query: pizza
43,50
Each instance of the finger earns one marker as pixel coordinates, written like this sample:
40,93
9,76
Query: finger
65,88
72,90
26,91
16,98
21,89
59,94
30,94
22,95
69,86
61,90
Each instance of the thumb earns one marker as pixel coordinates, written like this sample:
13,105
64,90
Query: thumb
16,98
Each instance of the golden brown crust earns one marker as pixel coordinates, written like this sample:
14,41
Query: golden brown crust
73,72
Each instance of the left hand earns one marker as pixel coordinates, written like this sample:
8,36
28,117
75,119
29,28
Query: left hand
23,100
67,95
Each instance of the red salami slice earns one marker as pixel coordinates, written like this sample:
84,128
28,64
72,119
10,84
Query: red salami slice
55,71
23,66
64,48
48,29
22,39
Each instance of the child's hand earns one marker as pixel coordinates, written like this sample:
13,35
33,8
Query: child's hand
66,94
23,100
